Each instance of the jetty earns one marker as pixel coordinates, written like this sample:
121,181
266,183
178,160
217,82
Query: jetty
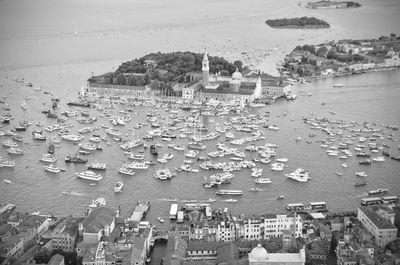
140,211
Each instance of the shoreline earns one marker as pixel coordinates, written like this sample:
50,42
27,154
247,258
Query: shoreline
300,27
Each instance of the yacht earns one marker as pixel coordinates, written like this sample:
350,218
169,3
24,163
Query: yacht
300,175
163,174
48,158
263,181
52,168
126,171
5,163
361,174
137,165
89,175
14,151
277,166
97,166
192,153
379,159
118,187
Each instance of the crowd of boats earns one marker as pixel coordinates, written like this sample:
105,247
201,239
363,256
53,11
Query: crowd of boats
239,136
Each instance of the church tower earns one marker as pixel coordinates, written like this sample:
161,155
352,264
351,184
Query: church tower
206,69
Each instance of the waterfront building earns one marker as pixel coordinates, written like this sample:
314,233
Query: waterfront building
379,221
260,256
226,231
199,250
65,234
274,224
12,248
100,222
251,229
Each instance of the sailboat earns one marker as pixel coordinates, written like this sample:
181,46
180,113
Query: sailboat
23,105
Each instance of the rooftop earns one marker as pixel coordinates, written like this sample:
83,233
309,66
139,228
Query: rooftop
98,218
380,222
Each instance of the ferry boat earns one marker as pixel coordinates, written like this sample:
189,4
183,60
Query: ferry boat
126,171
263,181
229,192
377,191
48,158
118,187
15,151
89,175
52,168
97,166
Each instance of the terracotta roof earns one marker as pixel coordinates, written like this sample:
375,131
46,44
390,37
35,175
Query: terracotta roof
380,222
98,218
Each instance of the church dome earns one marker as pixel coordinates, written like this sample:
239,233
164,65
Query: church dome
258,253
237,75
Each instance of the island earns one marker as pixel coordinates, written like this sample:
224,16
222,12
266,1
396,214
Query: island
300,22
332,4
342,57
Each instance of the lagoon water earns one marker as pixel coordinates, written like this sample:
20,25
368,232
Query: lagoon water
57,45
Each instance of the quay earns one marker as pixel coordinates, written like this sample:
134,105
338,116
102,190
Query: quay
140,211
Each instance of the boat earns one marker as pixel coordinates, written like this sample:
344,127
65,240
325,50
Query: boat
379,159
48,158
344,165
339,173
263,181
196,145
160,219
52,168
89,175
360,183
7,181
118,187
153,150
137,165
9,143
24,106
282,160
163,174
361,174
365,162
39,136
300,175
6,163
377,191
75,159
97,166
15,151
192,153
337,85
229,192
277,166
255,189
230,200
280,197
126,171
84,152
257,172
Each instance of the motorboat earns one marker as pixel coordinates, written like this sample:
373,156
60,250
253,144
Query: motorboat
15,151
163,174
89,175
361,174
137,165
277,166
97,166
6,163
379,159
300,175
9,143
126,171
52,168
75,159
50,158
230,200
263,181
257,172
160,219
192,153
118,187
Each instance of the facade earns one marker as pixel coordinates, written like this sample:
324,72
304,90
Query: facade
379,221
12,248
65,234
275,224
226,231
119,90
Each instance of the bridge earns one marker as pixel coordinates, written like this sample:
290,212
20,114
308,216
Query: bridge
160,234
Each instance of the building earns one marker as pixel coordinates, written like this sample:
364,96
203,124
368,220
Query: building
226,231
65,234
274,224
57,259
260,256
100,222
379,221
12,248
119,90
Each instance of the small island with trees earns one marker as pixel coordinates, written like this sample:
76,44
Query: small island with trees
164,71
332,4
300,22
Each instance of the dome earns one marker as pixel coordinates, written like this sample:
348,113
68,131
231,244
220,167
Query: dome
258,253
237,75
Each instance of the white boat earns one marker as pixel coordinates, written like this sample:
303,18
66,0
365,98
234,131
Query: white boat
189,168
39,136
300,175
229,192
72,137
118,187
137,165
52,168
344,165
6,163
160,219
257,172
126,171
97,166
192,153
9,143
361,174
277,166
379,159
163,174
48,158
14,151
337,85
230,200
136,156
7,181
282,160
263,181
24,106
89,175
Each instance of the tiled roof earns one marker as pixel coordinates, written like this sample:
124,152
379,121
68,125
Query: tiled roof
380,222
98,218
200,245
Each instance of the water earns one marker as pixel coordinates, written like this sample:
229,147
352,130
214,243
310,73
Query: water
60,54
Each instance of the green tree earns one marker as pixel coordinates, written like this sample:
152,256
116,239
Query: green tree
147,79
238,64
121,80
322,51
332,53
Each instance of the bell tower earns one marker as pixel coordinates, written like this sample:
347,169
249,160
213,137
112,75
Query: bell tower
206,69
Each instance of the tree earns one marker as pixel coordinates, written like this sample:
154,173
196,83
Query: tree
147,79
224,72
238,64
332,53
322,51
132,80
121,80
309,48
155,85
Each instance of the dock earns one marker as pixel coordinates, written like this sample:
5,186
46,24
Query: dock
140,211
